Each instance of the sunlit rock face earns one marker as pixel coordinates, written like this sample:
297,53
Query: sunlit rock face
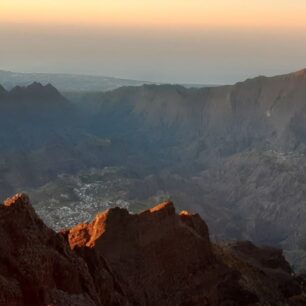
163,258
154,252
37,266
156,257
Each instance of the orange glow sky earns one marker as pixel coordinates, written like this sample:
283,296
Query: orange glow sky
251,13
187,41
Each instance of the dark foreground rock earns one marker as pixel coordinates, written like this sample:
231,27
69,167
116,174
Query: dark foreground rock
156,257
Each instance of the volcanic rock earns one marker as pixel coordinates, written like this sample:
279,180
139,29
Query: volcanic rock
156,257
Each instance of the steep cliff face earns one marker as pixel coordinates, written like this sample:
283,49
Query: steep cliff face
163,258
224,119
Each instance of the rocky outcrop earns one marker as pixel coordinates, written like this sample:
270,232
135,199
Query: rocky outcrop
155,254
156,257
37,267
162,258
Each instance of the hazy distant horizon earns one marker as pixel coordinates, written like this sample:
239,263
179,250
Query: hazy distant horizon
80,74
169,42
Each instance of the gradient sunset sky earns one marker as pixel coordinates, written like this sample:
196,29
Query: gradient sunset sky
193,41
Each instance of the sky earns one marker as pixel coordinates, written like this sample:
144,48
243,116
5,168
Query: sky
177,41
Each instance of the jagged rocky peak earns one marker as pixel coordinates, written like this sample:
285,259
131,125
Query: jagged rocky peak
37,87
148,226
156,253
156,257
37,266
18,199
36,90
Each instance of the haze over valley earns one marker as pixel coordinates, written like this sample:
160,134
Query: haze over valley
235,154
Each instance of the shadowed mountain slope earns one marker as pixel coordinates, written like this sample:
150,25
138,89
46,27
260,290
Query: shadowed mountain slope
2,91
228,119
41,136
234,154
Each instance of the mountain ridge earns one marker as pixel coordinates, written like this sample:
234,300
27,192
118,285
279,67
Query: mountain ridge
156,257
234,154
65,82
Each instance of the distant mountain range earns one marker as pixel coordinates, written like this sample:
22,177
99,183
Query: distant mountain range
72,83
66,82
235,154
